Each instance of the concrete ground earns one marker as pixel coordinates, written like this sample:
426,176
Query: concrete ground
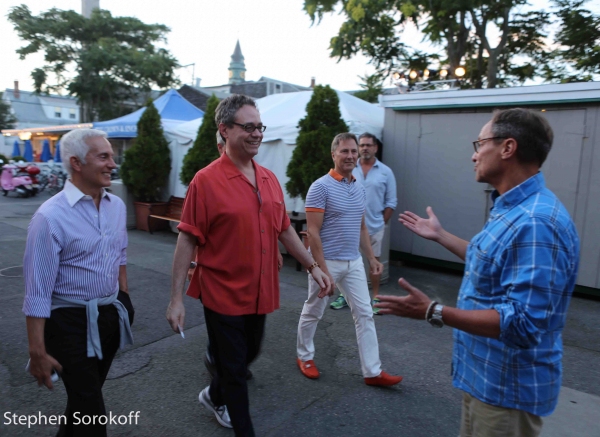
161,374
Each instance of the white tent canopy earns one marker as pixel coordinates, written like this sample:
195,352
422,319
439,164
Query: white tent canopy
281,114
180,138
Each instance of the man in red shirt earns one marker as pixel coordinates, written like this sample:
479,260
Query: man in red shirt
234,211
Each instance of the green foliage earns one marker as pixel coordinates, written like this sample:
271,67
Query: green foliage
372,86
7,119
579,40
147,163
18,158
3,160
312,156
115,59
520,49
204,151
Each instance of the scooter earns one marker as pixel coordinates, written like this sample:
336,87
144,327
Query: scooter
21,185
33,172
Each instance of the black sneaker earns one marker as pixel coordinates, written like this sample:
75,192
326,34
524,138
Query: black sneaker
221,412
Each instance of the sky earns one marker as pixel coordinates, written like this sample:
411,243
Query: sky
276,37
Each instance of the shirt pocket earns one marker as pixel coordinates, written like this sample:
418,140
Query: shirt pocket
484,271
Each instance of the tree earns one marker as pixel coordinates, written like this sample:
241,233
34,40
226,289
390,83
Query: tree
7,119
461,28
312,156
108,63
579,42
372,86
204,151
147,163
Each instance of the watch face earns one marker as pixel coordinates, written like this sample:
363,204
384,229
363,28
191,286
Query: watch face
436,323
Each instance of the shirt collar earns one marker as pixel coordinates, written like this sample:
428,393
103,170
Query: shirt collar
231,171
338,177
74,194
375,164
516,195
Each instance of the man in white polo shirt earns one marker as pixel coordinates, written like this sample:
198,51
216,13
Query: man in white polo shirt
335,209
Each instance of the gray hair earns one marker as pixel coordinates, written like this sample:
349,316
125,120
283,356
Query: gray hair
227,108
220,139
529,129
342,137
74,144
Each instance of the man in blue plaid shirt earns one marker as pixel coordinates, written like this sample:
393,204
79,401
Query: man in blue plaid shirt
520,272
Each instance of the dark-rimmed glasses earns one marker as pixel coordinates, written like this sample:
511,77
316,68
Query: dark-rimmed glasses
477,144
249,127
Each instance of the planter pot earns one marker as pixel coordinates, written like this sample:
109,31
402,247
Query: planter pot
142,212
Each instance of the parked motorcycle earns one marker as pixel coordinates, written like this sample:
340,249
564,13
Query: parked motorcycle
22,185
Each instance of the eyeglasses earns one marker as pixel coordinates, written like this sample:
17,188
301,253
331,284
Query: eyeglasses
477,144
249,127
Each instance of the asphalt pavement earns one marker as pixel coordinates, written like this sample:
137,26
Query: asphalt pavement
161,375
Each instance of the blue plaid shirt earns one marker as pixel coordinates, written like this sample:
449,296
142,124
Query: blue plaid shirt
523,264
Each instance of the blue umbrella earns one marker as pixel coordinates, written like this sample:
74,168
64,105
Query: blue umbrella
16,149
57,152
46,155
28,153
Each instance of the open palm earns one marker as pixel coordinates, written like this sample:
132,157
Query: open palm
429,228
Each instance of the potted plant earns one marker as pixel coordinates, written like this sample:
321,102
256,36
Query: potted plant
146,167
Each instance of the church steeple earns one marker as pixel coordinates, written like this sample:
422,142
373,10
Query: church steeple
237,68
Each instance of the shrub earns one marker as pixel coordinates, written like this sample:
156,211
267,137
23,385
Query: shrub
147,163
204,151
312,156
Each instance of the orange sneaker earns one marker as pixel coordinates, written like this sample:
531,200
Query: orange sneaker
383,380
308,368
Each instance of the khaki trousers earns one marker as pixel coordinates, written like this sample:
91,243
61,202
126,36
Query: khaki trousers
484,420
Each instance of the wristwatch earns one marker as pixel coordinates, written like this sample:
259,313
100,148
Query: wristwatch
193,265
435,318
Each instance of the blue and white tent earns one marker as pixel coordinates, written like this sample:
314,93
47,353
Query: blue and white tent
171,106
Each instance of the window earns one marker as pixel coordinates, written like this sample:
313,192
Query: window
72,114
57,112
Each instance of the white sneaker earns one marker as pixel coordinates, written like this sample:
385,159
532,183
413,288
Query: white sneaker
221,412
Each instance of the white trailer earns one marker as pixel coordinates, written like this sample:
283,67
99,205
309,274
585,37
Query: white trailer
428,144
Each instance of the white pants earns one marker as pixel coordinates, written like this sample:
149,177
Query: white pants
349,276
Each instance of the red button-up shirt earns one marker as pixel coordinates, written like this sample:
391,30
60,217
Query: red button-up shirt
237,228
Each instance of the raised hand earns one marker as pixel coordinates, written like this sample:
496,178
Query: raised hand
427,228
414,305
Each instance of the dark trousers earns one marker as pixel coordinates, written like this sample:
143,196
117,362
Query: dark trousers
235,342
65,336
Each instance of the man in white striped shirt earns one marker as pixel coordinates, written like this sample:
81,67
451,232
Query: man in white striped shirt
335,210
76,299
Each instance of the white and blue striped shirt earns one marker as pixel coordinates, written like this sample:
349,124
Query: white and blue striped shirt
343,204
73,249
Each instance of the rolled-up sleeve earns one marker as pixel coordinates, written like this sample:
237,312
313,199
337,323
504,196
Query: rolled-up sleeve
40,267
391,197
194,216
537,284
